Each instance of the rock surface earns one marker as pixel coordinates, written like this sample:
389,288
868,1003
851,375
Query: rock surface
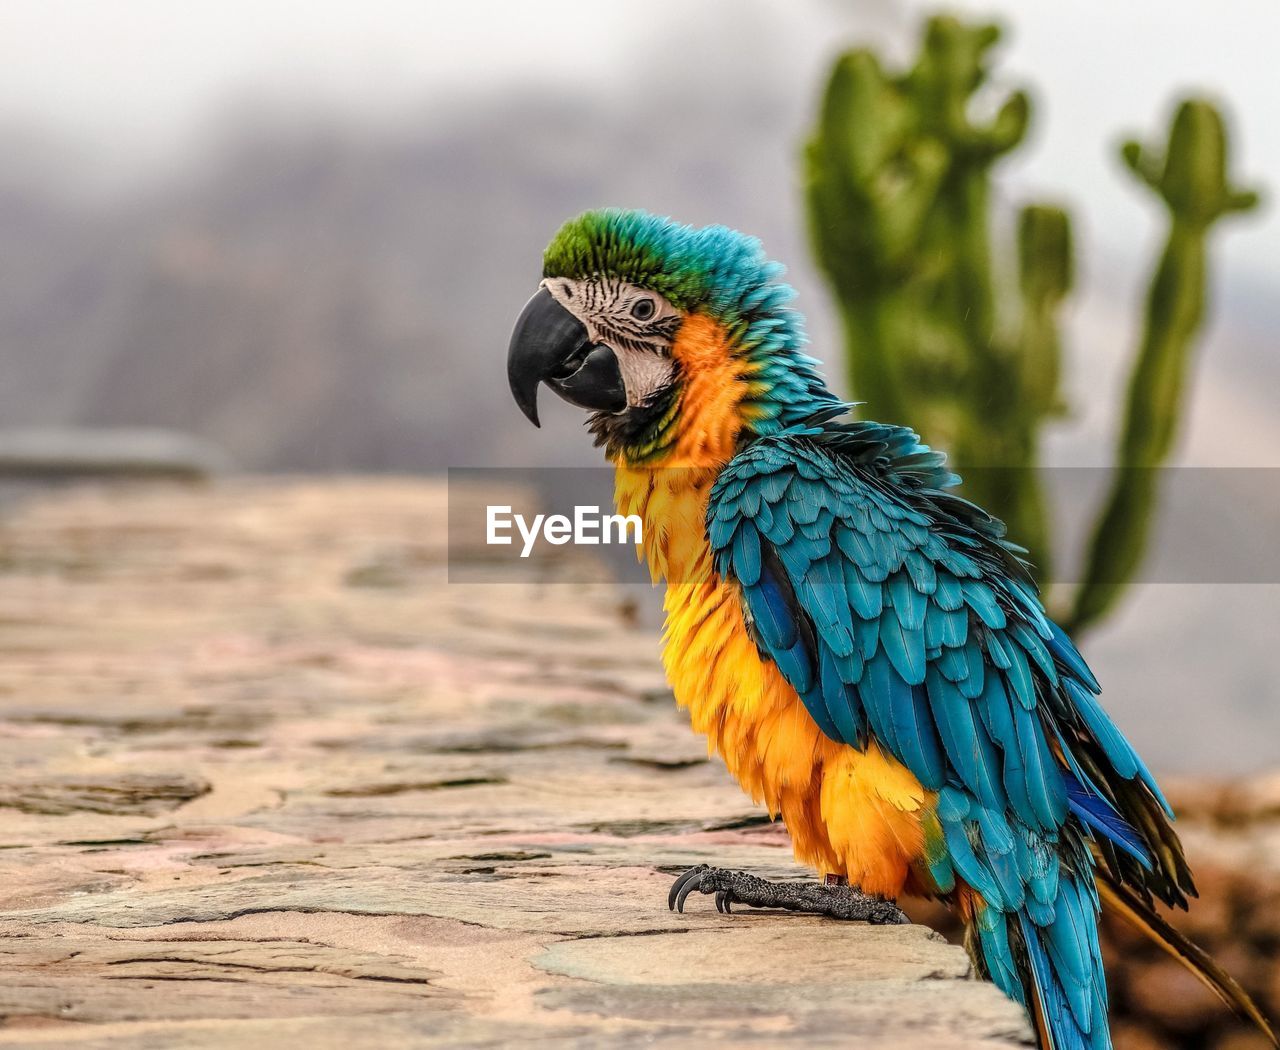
265,777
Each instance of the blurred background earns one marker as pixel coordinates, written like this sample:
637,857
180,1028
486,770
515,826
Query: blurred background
292,238
299,232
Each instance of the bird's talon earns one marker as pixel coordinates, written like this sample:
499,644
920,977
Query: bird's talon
835,900
688,888
686,884
675,899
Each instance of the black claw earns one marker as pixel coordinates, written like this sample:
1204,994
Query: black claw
724,902
688,888
675,899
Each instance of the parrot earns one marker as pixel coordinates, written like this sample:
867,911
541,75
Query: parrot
865,650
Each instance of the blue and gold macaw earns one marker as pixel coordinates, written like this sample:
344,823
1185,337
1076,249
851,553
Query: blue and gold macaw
864,648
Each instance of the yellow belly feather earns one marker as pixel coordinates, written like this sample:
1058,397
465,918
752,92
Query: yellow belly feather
849,812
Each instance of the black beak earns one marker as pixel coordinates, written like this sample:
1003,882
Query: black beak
550,345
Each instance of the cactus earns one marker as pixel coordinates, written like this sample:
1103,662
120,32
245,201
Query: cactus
898,184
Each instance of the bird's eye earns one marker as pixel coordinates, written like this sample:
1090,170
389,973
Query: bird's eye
642,309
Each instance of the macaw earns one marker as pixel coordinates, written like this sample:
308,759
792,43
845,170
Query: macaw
863,648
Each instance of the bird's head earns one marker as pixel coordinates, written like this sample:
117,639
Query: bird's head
678,339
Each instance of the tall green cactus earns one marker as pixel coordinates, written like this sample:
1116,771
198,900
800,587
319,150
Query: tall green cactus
898,182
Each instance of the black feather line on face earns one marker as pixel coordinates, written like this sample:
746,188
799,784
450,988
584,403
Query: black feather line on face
641,433
655,337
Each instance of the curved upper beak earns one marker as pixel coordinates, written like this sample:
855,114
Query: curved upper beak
549,345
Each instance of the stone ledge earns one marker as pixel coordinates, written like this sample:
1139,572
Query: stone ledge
249,797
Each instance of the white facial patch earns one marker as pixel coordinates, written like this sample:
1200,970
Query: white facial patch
638,325
643,374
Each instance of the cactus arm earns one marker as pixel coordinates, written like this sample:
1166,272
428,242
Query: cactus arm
1028,373
1045,275
1192,180
1153,406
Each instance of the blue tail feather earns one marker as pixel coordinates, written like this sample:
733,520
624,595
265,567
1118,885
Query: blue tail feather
1065,970
1046,956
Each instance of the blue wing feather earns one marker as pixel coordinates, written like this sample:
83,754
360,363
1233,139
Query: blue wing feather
899,614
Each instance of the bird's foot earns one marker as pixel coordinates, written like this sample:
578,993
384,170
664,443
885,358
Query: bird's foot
738,887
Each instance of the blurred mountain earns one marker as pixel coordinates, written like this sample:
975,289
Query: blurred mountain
324,296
